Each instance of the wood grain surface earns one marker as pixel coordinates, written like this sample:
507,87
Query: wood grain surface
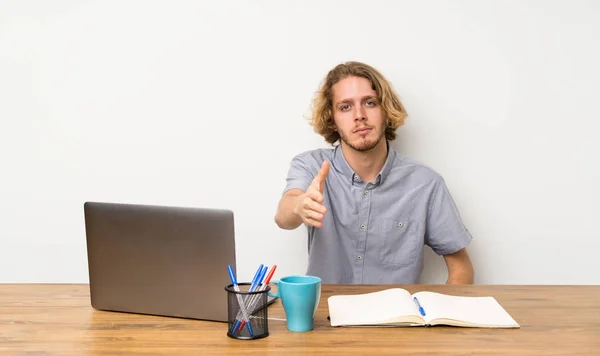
57,319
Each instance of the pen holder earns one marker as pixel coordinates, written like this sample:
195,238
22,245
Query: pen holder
247,312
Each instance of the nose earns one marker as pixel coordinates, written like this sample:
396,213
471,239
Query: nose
360,114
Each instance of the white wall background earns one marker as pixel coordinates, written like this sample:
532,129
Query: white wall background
194,103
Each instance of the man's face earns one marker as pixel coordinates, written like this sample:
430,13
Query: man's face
357,113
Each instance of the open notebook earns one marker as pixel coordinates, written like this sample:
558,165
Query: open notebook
397,307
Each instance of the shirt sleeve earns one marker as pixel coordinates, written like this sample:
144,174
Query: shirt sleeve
299,175
445,232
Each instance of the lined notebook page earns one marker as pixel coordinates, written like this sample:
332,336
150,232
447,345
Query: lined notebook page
473,310
370,308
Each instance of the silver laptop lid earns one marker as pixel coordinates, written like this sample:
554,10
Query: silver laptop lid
159,260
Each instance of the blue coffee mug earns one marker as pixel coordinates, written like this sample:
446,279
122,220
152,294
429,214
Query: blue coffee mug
300,298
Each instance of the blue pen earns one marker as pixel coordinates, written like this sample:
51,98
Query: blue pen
258,281
264,282
236,325
240,302
257,274
421,310
254,287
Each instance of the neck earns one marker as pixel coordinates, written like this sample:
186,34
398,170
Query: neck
367,164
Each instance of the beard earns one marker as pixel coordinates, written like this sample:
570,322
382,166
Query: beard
363,144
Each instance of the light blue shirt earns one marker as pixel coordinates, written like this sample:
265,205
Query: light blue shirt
375,232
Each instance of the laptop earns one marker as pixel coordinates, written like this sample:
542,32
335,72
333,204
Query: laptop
160,260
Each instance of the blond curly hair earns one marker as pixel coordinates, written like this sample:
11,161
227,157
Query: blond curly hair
322,113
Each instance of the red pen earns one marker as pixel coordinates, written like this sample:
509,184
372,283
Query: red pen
268,279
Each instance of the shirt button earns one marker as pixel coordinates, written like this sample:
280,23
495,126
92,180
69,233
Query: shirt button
358,257
366,192
362,226
400,224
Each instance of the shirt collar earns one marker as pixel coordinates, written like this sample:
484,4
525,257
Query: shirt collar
389,163
340,163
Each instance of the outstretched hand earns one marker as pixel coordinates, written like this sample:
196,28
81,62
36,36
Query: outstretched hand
309,206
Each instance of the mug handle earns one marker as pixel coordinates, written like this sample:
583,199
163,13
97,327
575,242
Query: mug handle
275,295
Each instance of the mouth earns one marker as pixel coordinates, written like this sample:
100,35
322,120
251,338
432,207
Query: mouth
363,130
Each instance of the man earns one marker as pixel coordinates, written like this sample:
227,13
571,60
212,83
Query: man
369,211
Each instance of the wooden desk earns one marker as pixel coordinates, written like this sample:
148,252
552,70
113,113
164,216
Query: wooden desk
58,320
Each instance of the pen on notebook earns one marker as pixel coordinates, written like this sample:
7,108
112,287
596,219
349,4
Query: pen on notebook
238,325
421,310
240,302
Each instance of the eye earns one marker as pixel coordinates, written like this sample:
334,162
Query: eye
371,103
344,107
